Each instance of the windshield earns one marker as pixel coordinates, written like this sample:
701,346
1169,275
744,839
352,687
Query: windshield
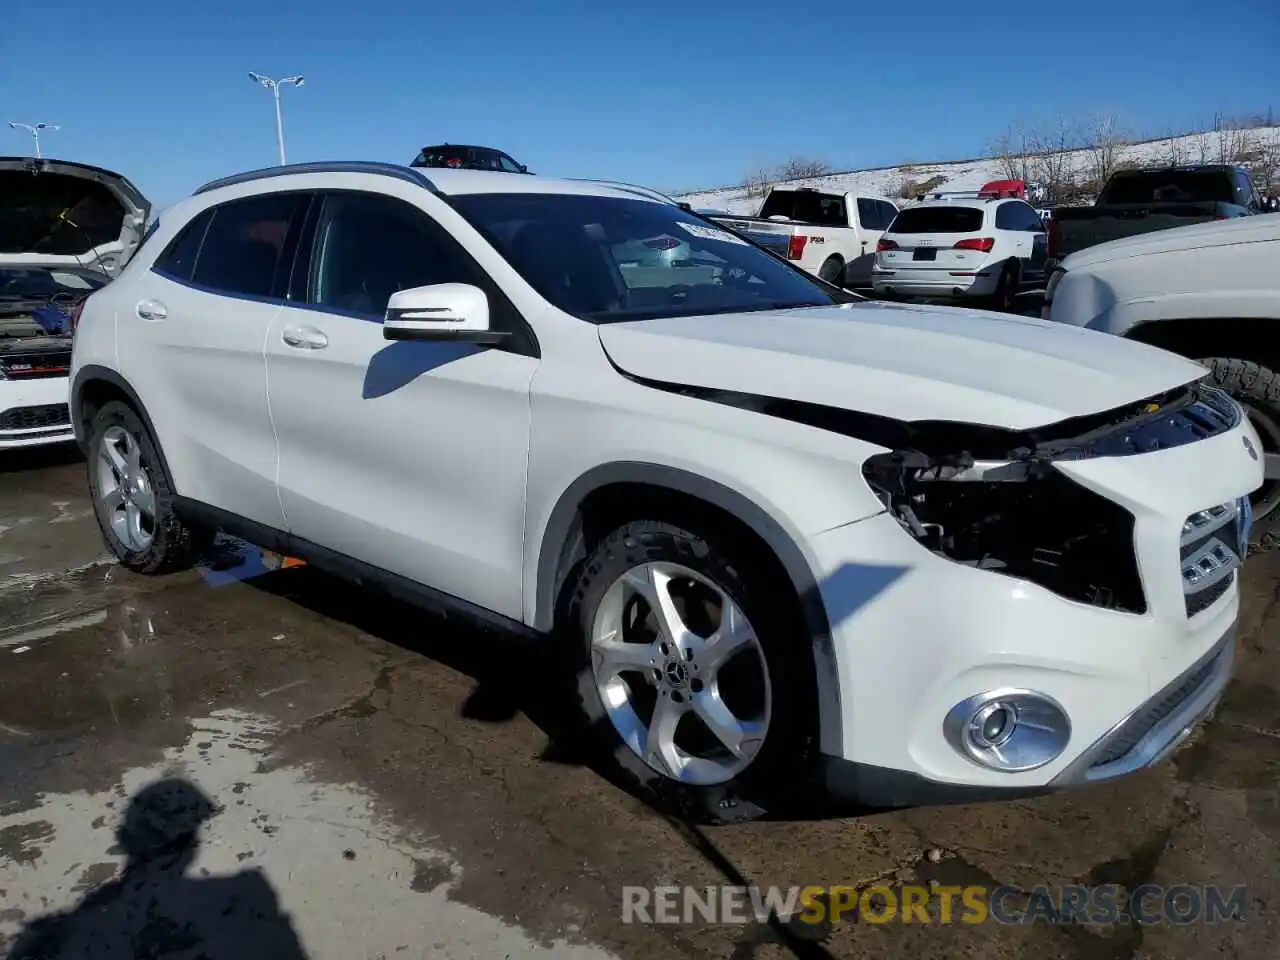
607,259
806,206
1168,186
41,283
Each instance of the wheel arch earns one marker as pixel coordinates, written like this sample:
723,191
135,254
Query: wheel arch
1242,338
95,386
564,538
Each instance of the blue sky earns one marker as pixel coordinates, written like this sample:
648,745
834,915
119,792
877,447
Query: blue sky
672,95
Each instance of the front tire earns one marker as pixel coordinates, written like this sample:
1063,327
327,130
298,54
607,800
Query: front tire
832,271
1257,389
132,498
691,675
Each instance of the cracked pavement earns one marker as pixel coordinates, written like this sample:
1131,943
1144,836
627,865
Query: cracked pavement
393,786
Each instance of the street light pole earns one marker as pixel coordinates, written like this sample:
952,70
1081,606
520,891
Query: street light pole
274,87
34,129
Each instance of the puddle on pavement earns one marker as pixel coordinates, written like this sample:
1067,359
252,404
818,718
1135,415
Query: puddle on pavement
317,866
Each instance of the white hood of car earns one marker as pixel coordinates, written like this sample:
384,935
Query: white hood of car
904,362
1214,233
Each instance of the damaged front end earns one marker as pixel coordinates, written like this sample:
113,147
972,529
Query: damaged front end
993,499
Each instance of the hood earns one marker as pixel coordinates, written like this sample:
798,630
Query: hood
905,362
58,213
1213,233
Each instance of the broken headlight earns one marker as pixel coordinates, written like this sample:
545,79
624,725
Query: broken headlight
1020,519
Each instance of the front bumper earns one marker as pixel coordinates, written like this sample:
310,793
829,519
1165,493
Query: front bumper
914,634
34,412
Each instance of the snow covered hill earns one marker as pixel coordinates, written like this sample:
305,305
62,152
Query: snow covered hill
1258,148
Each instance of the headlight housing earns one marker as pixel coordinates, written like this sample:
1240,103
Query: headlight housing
1023,520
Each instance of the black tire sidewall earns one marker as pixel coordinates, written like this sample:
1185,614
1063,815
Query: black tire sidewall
792,730
1252,385
173,543
837,276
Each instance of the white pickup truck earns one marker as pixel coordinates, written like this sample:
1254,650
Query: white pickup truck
830,235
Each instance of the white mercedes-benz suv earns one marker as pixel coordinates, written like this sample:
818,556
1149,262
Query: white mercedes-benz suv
784,537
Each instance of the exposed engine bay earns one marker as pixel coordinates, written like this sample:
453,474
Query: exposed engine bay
1019,515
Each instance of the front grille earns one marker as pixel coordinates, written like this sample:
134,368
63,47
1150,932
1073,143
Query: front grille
36,366
1211,549
1156,710
35,418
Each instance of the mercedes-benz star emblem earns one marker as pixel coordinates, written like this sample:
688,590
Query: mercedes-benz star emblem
1248,445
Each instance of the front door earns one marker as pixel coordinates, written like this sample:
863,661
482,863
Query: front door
409,456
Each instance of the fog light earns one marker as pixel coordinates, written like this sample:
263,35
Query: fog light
1008,730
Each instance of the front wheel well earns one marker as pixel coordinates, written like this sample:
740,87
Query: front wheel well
1248,338
608,507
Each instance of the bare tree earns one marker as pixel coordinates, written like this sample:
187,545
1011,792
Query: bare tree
1175,153
756,183
802,168
1264,162
1106,141
1053,156
1013,150
1233,143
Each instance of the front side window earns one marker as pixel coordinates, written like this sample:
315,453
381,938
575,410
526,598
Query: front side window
508,165
369,246
608,259
244,248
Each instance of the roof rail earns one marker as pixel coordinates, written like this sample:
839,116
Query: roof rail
406,174
632,188
970,195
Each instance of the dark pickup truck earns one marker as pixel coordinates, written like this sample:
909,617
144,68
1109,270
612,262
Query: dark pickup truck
1142,201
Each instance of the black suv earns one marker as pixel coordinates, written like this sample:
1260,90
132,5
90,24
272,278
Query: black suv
464,157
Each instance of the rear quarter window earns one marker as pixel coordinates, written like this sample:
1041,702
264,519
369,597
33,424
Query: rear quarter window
938,220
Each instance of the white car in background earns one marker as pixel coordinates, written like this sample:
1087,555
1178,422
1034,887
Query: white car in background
781,538
830,235
962,246
65,230
1210,292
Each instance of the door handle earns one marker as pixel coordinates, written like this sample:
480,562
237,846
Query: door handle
304,338
152,310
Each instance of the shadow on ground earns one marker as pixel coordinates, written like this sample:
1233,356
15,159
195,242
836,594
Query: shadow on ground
154,908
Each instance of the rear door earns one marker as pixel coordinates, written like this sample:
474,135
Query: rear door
200,317
1020,222
943,236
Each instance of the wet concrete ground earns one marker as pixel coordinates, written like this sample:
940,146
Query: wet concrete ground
386,785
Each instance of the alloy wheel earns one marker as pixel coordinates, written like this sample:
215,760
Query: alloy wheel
681,673
125,489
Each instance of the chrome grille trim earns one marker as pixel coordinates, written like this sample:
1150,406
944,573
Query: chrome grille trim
1212,548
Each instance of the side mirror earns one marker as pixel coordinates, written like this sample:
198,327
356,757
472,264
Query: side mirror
523,168
442,311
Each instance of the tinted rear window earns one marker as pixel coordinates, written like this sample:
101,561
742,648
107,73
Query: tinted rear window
1170,186
806,206
938,220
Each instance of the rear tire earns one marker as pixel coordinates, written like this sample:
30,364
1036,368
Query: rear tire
1005,298
760,696
1257,389
132,497
832,271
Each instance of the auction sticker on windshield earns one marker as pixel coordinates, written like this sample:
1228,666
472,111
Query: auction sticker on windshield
710,233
